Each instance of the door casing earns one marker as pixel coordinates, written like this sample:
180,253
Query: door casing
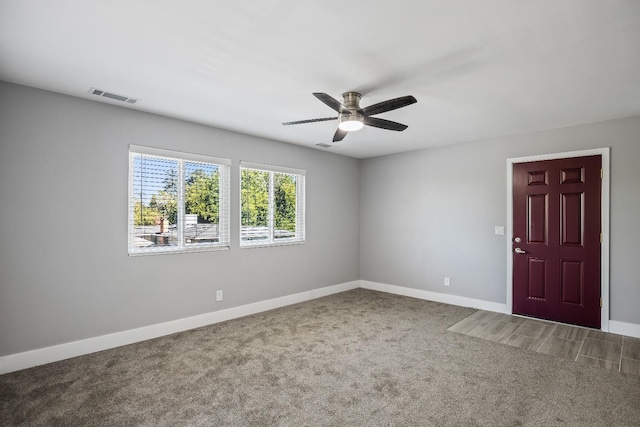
604,247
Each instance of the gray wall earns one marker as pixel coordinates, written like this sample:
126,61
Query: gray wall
407,219
431,213
64,270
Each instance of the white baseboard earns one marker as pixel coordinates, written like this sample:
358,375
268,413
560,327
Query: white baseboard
29,359
624,328
435,296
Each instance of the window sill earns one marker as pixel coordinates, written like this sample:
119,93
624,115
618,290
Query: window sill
258,244
179,250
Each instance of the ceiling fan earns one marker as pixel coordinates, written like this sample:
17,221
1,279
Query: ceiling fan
351,117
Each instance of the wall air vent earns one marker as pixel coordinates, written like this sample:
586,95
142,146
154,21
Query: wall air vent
323,145
110,95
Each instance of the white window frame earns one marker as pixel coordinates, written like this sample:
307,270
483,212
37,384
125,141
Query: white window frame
300,205
224,214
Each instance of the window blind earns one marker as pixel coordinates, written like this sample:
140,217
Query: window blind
178,202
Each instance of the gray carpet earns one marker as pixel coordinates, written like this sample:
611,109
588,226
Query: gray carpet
359,358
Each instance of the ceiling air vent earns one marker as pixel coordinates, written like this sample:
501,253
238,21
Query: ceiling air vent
114,96
323,145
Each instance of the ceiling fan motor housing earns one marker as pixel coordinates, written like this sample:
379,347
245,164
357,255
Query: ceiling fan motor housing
353,120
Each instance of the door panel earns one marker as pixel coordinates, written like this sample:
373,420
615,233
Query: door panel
537,218
556,230
572,282
537,277
571,216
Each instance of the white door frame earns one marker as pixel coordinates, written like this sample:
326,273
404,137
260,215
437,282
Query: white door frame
604,247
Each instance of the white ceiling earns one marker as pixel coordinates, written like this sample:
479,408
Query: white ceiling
478,68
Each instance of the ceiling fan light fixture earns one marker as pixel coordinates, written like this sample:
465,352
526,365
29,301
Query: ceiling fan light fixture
351,124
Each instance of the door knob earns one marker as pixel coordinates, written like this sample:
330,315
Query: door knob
520,251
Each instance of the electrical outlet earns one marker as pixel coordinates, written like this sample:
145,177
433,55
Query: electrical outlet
447,282
218,295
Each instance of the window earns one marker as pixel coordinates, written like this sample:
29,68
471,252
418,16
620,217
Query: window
178,202
272,205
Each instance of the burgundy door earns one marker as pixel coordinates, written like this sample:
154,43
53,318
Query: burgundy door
556,240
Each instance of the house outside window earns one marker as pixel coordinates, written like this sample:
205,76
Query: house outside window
271,205
178,202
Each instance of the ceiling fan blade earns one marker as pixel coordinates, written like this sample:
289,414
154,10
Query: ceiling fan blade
391,104
384,124
299,122
339,135
331,102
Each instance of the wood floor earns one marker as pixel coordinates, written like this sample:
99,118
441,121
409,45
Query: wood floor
582,345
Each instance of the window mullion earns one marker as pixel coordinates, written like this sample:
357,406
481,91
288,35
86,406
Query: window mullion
271,207
223,210
180,213
300,201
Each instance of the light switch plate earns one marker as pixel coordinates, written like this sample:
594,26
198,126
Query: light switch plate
500,230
